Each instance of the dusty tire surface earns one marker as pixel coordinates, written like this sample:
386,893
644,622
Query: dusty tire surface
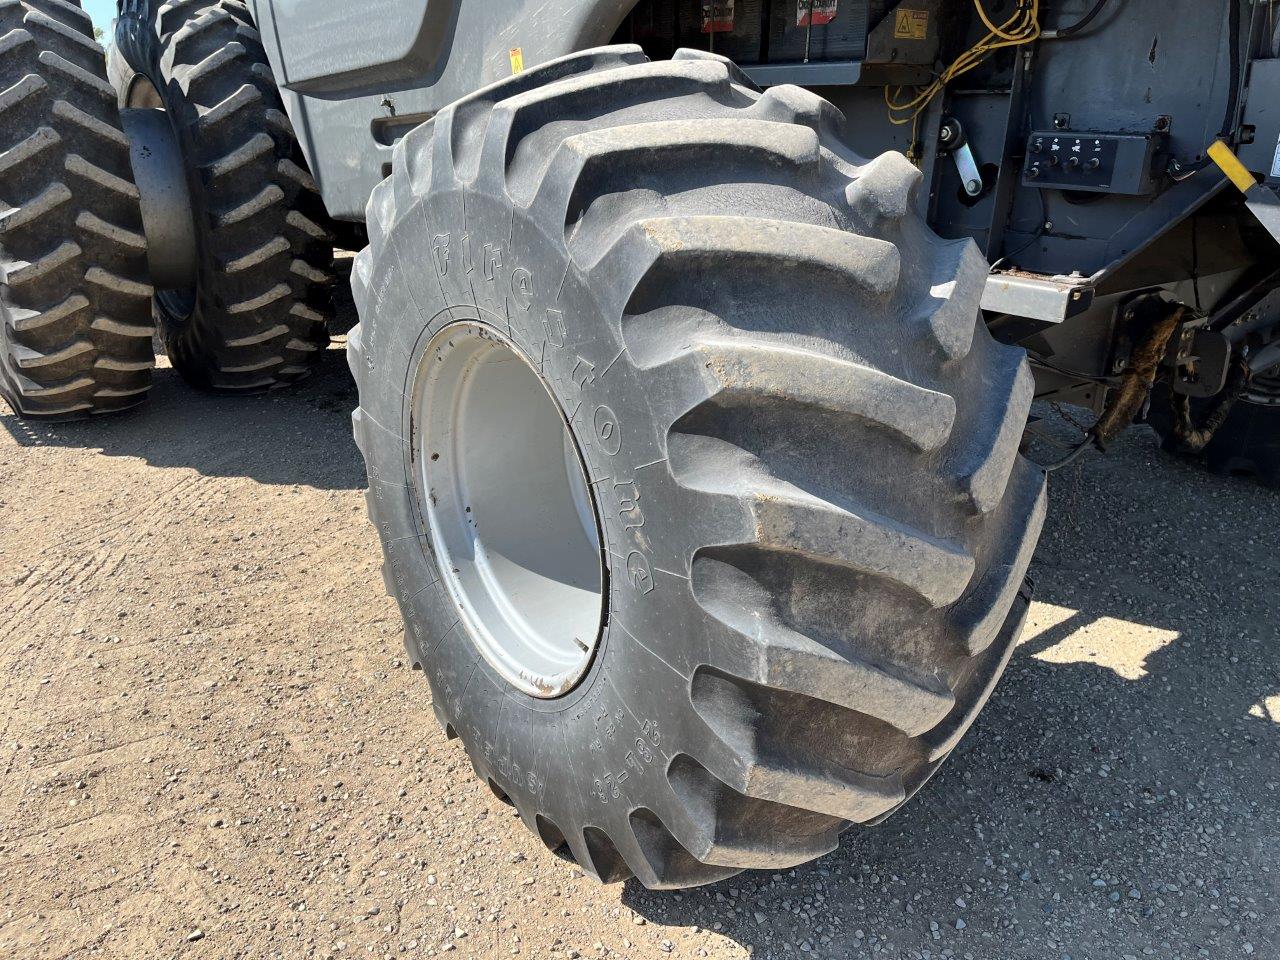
75,323
259,312
801,441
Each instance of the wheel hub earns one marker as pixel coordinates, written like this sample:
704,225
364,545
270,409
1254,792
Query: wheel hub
512,520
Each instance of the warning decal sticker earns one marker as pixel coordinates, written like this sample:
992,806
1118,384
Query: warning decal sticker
517,59
911,25
815,12
717,16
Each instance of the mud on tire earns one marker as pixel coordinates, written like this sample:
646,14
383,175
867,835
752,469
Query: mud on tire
75,322
257,317
800,438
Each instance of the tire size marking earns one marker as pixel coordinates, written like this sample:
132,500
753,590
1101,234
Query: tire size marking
626,495
641,749
440,247
522,287
492,260
629,512
553,323
608,432
583,372
511,772
369,331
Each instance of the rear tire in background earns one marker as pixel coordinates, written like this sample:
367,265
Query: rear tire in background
1248,442
75,321
257,315
797,447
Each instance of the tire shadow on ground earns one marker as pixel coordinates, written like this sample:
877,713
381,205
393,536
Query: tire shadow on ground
300,435
1118,795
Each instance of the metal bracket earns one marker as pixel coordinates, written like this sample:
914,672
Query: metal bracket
1048,299
951,139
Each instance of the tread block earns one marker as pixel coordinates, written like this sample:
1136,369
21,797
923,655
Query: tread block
747,368
735,72
277,293
518,118
951,308
260,145
104,131
589,164
49,199
23,152
723,826
885,188
985,468
69,34
103,179
222,58
793,104
796,777
78,76
32,360
245,96
666,864
21,274
759,646
117,235
874,263
603,861
118,329
116,284
784,518
259,255
980,615
268,197
33,321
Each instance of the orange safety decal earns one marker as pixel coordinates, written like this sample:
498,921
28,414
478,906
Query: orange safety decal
911,25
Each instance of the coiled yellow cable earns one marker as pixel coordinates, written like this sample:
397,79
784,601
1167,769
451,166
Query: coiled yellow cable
1022,27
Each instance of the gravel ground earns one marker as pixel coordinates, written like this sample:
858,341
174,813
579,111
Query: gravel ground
211,746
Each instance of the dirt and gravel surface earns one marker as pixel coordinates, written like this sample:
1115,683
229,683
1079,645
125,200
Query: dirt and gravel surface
211,745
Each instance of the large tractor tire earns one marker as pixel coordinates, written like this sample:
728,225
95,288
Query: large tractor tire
695,469
256,315
75,322
1248,442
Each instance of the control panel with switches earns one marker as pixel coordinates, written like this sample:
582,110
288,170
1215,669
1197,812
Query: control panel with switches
1093,162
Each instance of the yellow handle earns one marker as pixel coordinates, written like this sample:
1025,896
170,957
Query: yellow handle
1230,164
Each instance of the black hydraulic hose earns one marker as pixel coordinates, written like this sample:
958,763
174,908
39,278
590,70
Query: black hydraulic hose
1079,25
1069,459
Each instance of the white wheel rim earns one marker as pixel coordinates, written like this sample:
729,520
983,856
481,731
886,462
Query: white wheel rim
512,521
